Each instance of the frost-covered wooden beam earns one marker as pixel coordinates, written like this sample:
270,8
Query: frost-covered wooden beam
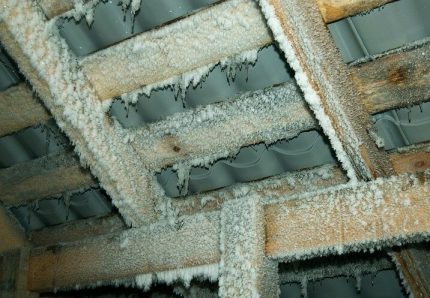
333,10
43,177
44,58
354,217
325,80
52,8
202,39
12,236
412,264
181,250
245,271
78,230
397,80
201,136
19,109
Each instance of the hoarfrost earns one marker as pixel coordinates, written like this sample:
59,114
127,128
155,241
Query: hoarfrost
310,94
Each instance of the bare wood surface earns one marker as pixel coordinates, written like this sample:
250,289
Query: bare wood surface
43,177
350,218
52,8
394,81
78,230
333,10
411,162
11,235
19,109
114,71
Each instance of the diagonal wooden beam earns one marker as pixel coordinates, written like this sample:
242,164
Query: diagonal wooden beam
345,218
325,80
333,10
230,28
19,109
44,58
393,81
41,178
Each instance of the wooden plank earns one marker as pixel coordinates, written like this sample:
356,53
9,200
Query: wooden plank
333,10
412,264
19,109
43,177
325,80
53,8
211,132
393,81
78,230
160,247
12,236
380,213
350,217
230,28
412,161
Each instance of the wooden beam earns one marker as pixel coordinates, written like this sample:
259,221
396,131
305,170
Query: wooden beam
345,218
53,8
12,236
53,72
333,10
416,158
157,248
19,109
211,132
230,28
412,264
380,213
77,230
325,80
43,177
393,81
245,269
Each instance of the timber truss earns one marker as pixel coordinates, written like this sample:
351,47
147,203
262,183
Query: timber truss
378,200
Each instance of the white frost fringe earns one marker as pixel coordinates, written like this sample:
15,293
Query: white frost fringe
310,95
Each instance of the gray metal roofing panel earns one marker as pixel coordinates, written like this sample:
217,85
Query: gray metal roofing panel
403,127
54,211
9,75
309,149
392,26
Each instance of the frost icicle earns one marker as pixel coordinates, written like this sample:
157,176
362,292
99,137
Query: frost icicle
310,94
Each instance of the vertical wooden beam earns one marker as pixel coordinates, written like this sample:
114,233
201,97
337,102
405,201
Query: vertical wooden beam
13,274
245,270
326,83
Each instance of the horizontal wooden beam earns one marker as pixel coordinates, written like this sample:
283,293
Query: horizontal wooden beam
230,28
160,247
20,109
12,236
77,230
219,130
416,159
52,8
43,177
350,217
393,81
333,10
380,213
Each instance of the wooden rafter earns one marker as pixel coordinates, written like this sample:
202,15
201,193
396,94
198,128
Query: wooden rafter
44,177
352,217
19,109
333,10
397,80
168,52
